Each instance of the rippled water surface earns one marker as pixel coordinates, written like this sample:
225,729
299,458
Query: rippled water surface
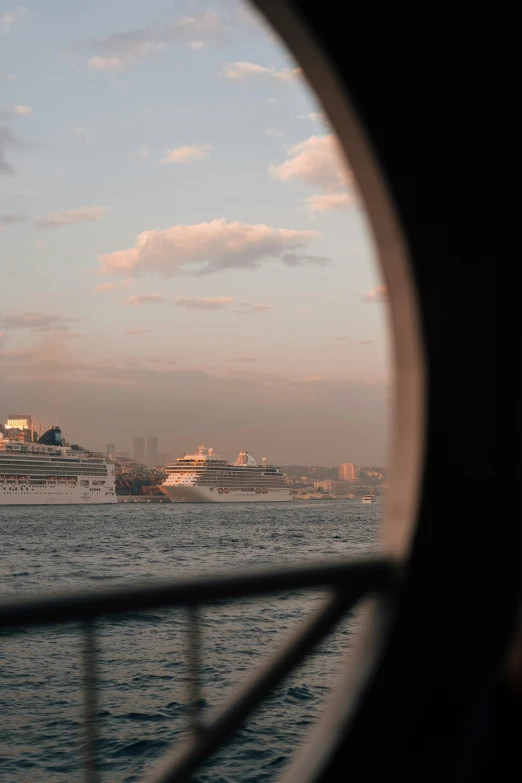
142,657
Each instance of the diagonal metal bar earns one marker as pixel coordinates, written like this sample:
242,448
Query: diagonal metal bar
89,688
194,656
183,761
370,574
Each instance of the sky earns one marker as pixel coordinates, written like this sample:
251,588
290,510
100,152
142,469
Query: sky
183,250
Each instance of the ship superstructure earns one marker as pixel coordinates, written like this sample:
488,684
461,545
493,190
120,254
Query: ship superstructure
204,477
49,472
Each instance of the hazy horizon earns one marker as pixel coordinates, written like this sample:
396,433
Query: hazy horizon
183,252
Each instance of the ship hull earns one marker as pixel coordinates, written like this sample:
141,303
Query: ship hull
211,495
54,496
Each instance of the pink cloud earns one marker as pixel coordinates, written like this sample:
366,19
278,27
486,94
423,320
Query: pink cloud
71,216
328,201
378,294
187,154
203,302
138,300
240,71
318,162
206,248
114,286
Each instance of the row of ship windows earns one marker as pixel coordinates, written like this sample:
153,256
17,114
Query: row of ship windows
234,485
23,487
234,468
220,471
49,458
54,465
50,470
227,477
13,453
35,480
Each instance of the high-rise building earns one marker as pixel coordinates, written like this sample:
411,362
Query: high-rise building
138,450
347,471
18,421
152,450
110,449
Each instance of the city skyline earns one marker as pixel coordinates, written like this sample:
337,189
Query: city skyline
182,239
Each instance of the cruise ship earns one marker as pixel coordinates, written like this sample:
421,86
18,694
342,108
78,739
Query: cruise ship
50,473
204,477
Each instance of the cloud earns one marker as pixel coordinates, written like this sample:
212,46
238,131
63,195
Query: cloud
328,201
70,216
240,71
136,331
271,132
107,64
297,259
22,111
267,100
14,111
204,248
197,45
143,153
203,302
7,141
37,321
187,154
3,337
120,51
10,218
252,307
318,162
8,19
315,116
7,77
138,300
103,287
378,294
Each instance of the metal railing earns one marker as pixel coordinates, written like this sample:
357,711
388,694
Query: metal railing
347,582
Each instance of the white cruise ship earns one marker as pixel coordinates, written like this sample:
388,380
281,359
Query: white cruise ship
49,473
204,477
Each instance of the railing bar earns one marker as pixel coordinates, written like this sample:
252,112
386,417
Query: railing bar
372,574
183,761
90,702
194,661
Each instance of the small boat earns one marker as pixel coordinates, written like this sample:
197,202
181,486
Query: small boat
368,498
